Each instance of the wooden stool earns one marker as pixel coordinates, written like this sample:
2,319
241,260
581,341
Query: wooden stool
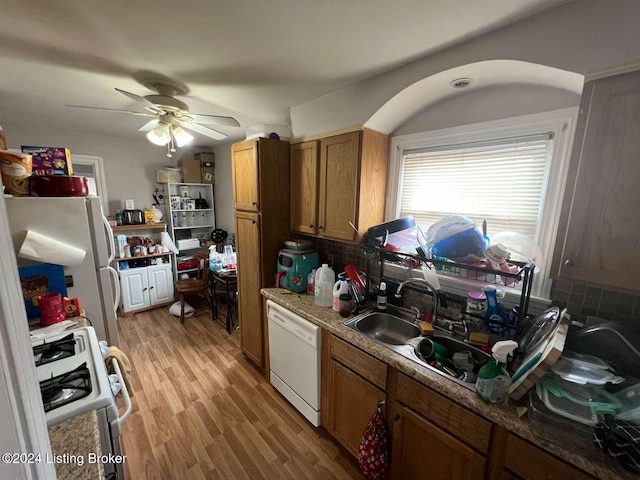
197,285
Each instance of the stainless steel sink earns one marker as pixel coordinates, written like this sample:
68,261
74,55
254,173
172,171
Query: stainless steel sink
386,329
394,330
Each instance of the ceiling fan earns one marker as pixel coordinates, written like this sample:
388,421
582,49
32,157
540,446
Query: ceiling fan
172,116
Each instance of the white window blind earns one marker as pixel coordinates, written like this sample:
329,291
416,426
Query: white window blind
501,181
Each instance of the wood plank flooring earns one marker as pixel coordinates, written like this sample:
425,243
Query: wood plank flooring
202,411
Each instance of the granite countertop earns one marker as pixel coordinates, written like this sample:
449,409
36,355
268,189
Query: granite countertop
72,442
504,415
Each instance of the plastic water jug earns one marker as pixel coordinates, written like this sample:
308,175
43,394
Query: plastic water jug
323,286
339,288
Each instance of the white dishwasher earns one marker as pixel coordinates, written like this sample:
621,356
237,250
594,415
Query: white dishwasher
294,354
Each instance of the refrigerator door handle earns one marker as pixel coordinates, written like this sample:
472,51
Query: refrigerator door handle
116,287
112,245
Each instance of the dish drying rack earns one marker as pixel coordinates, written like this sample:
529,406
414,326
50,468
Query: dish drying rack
523,275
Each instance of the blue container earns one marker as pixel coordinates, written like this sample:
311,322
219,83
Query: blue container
468,242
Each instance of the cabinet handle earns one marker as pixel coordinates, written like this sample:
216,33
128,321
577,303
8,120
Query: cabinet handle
254,222
145,289
396,418
151,288
312,226
254,204
320,227
568,263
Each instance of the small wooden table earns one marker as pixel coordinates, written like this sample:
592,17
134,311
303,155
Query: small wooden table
228,280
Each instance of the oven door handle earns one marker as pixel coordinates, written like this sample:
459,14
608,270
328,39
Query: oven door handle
125,393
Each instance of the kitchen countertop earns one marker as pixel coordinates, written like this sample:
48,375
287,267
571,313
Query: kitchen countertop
504,415
72,442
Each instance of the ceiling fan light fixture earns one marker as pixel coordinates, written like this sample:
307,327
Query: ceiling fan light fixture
160,135
181,137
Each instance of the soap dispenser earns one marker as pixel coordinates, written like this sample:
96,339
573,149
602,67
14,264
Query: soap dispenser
493,379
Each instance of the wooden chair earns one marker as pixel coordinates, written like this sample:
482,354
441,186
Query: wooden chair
195,286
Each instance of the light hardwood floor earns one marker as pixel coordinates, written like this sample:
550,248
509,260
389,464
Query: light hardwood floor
202,411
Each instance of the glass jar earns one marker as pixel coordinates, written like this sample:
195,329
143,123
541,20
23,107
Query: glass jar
346,305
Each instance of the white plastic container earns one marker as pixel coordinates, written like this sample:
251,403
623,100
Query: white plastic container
323,286
340,287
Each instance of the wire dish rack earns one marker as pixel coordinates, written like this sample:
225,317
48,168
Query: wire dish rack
523,276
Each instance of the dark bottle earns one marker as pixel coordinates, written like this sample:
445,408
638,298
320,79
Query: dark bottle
381,302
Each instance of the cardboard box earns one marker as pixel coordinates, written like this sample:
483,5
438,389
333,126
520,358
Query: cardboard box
191,170
49,160
207,167
208,172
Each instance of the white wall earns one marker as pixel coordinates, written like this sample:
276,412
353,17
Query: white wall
224,188
130,165
489,104
582,36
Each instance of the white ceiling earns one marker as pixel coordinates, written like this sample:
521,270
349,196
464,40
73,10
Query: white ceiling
251,59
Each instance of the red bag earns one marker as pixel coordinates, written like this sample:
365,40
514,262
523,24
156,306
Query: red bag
373,454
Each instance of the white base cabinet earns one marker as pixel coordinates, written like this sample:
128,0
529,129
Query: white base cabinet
146,287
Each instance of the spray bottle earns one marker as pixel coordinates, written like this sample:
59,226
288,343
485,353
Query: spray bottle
493,379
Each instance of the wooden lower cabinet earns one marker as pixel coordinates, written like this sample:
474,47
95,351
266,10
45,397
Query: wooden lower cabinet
249,300
421,450
525,461
432,437
352,402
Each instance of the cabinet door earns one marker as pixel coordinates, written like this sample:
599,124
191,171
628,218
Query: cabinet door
352,402
246,193
134,289
423,451
528,462
249,301
338,192
601,244
304,187
160,284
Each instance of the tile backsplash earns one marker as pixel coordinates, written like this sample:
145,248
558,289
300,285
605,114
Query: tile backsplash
582,301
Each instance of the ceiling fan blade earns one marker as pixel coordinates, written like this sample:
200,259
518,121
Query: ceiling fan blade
147,127
144,114
204,130
145,103
214,120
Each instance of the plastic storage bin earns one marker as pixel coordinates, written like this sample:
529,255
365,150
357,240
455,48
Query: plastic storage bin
630,398
562,431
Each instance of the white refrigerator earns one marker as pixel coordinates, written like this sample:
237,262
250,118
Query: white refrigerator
80,223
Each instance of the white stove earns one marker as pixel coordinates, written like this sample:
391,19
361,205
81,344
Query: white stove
74,380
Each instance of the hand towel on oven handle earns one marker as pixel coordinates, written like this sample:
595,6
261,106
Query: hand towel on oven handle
123,360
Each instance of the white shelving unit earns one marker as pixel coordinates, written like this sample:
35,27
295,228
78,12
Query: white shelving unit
184,223
145,287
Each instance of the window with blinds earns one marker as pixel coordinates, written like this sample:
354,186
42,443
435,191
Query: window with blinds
501,181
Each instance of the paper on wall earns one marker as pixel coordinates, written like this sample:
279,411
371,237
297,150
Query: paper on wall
42,248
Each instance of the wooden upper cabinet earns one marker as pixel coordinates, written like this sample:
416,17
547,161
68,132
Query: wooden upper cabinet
350,188
245,172
338,190
303,183
598,236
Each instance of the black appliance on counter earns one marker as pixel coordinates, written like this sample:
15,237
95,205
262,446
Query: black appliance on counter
132,217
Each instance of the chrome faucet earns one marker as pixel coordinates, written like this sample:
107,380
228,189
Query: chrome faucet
433,291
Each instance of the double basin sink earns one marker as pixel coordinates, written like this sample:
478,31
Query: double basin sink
402,336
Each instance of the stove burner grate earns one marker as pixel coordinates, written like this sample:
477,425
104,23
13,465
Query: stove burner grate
65,388
53,351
